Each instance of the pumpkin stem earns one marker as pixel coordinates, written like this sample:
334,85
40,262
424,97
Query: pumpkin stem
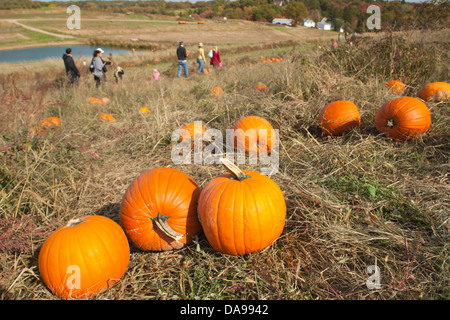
73,222
234,169
390,123
161,223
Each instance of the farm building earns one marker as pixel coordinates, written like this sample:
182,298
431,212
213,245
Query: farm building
325,25
287,22
309,23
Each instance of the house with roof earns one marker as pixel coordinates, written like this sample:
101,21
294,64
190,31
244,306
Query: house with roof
324,24
309,23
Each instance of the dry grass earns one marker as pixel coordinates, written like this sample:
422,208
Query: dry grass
353,201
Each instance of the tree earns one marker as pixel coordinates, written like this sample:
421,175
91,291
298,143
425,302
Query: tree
296,10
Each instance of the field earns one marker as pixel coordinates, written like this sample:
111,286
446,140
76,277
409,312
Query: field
353,201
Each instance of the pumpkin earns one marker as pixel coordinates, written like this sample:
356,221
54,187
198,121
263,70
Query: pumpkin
86,256
339,117
262,87
46,125
94,100
145,110
396,86
193,130
106,117
159,210
105,100
435,91
254,134
216,91
403,118
241,211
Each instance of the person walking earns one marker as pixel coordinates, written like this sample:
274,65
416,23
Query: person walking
201,58
99,67
215,60
71,68
182,60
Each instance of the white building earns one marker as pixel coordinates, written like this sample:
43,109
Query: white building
287,22
309,23
325,25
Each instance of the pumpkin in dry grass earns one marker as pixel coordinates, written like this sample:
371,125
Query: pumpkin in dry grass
403,118
339,117
84,257
145,110
396,86
47,125
159,210
435,91
216,91
262,88
191,131
254,134
105,117
105,100
241,211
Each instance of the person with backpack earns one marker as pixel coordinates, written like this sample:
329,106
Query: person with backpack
71,68
182,60
98,67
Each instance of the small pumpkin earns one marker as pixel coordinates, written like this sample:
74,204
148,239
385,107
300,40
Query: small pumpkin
106,117
191,131
216,91
396,86
145,110
403,118
241,211
262,88
94,100
86,256
435,91
339,117
159,210
254,134
46,125
105,100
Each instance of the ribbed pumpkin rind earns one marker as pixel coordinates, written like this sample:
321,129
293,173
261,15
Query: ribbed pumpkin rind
97,246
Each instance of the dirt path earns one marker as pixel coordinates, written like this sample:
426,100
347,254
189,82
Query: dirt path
62,36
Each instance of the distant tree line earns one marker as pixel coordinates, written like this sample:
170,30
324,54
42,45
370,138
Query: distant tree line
348,14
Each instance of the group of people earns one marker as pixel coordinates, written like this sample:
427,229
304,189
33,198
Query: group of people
98,65
182,55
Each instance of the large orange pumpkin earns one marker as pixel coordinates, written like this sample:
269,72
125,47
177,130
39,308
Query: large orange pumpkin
435,91
339,117
46,125
396,86
83,258
159,210
254,134
241,211
403,118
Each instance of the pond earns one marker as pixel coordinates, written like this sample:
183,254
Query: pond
42,53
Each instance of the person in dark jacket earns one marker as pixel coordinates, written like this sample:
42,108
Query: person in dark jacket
182,60
71,68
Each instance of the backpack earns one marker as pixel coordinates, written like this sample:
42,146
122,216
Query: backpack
91,66
210,54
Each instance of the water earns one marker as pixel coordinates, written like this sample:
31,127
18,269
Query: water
42,53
